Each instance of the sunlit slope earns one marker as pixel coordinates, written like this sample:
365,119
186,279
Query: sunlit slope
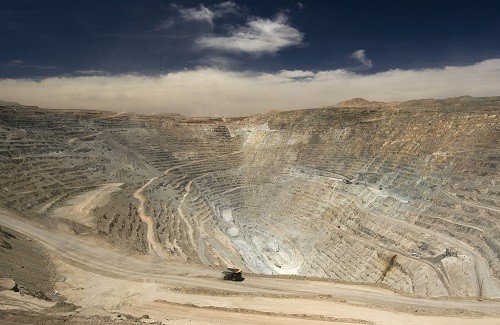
405,194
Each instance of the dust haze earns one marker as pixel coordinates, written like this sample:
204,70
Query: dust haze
215,92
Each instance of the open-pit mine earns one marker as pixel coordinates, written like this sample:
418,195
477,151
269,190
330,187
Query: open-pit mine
363,212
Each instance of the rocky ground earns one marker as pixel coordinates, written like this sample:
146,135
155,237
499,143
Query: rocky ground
101,285
402,196
27,264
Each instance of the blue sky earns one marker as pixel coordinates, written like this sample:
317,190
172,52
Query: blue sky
241,57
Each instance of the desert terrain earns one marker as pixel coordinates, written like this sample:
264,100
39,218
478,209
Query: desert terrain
358,213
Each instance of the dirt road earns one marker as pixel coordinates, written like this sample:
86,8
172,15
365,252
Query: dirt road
159,284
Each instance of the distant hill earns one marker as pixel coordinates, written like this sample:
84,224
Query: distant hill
361,102
9,103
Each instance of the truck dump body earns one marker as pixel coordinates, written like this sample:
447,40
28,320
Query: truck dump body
233,274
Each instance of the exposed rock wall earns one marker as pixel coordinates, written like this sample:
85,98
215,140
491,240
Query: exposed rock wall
405,194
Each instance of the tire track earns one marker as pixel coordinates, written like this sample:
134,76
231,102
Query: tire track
154,246
112,264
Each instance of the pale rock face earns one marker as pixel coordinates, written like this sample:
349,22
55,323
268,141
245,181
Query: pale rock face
227,215
400,194
233,232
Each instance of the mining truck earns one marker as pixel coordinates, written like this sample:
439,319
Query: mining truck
233,274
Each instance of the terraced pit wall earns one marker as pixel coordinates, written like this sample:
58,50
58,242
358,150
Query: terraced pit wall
406,196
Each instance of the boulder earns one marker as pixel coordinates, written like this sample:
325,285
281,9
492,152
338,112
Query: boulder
8,284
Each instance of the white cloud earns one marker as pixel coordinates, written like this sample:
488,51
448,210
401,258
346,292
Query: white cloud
217,61
360,55
207,91
260,36
91,72
17,63
20,64
227,7
201,13
165,25
296,74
